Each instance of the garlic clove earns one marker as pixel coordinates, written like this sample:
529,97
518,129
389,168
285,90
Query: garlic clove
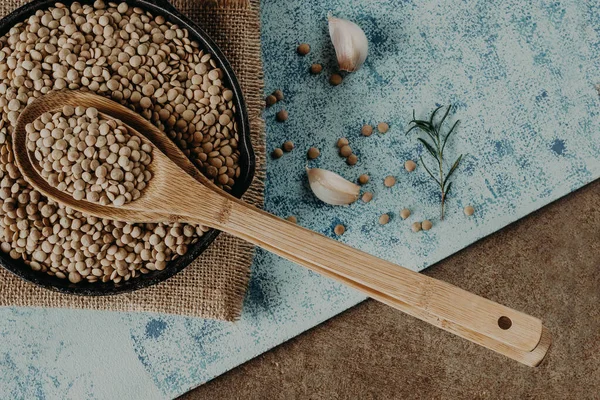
350,43
331,188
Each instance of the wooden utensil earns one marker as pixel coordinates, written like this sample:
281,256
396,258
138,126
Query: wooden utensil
177,192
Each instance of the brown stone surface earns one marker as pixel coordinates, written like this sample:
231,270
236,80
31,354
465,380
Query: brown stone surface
547,265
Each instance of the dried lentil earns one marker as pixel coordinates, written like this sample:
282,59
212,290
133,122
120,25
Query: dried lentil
416,226
405,213
335,79
339,230
303,49
469,210
277,153
389,181
288,146
282,115
426,225
313,153
316,69
384,219
363,179
366,130
410,165
382,127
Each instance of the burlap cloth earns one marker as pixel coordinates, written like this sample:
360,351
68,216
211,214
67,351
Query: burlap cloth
214,285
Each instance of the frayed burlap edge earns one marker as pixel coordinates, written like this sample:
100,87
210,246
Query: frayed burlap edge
214,285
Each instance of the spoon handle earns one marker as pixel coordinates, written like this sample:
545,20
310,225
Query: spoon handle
439,303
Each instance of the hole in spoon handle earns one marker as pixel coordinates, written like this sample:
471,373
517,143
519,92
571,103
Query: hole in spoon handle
504,323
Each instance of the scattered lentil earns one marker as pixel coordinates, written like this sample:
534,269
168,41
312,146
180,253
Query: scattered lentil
416,226
366,130
293,219
278,94
288,146
335,79
303,49
363,179
382,127
342,142
426,225
339,230
345,151
352,159
384,219
410,165
282,115
270,100
469,210
313,153
389,181
367,197
277,153
316,69
405,213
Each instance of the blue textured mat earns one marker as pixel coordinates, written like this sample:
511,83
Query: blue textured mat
522,75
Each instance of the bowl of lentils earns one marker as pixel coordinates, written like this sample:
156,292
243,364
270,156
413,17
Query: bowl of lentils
150,58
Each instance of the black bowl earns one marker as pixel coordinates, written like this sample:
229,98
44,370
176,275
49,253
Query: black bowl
247,160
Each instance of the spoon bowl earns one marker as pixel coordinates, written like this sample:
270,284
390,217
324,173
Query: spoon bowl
178,193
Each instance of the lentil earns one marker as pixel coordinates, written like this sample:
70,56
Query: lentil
469,210
288,146
416,226
278,95
405,213
367,197
339,230
345,151
342,142
313,153
366,130
293,219
277,153
410,165
303,49
270,100
282,115
352,159
389,181
363,179
316,69
384,219
382,127
426,225
335,79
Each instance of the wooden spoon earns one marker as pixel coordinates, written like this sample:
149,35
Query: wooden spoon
177,192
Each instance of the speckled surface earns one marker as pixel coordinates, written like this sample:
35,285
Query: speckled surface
522,75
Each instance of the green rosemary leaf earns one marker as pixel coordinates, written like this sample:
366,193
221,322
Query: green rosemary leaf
448,189
444,118
413,127
454,166
448,135
433,115
428,171
428,147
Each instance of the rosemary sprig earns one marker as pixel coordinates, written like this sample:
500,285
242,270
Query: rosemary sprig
435,147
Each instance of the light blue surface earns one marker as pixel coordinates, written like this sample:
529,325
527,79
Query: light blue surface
522,75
